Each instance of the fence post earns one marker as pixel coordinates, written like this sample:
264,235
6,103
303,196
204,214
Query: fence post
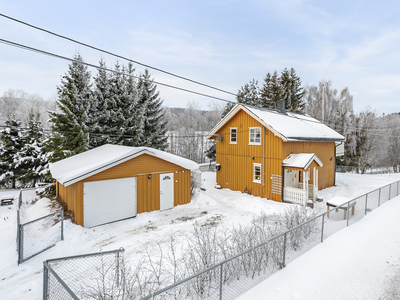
220,283
21,244
322,229
284,251
117,268
397,188
366,203
45,281
348,213
379,199
62,224
390,191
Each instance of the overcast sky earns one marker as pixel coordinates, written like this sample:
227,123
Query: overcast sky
221,43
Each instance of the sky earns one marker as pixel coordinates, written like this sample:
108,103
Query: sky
220,43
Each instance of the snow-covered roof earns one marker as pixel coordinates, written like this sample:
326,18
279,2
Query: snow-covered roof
83,165
301,160
288,126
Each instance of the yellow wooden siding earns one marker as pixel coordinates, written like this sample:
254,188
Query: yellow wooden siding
148,190
237,159
325,152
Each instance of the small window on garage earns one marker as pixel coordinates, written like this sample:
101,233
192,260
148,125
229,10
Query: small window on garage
257,173
255,136
233,135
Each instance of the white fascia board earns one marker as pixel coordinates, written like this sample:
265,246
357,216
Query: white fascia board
223,121
105,167
238,107
316,159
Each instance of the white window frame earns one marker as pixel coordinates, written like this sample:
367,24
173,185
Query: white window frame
256,165
250,133
233,142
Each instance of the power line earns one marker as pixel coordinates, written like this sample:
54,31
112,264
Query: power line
293,115
116,55
106,69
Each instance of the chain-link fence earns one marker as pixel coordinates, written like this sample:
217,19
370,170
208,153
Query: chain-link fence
234,276
89,276
104,275
38,235
357,170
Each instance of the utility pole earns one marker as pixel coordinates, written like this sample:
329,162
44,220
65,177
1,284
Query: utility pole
323,103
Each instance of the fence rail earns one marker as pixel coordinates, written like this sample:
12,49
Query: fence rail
73,277
280,249
67,278
38,235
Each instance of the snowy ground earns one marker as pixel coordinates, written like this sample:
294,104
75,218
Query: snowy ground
223,207
361,261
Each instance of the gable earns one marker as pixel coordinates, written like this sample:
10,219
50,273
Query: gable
288,126
89,163
141,165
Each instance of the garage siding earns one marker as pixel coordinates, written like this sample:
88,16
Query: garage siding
148,190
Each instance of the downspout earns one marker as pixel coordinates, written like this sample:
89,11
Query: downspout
283,183
334,177
263,157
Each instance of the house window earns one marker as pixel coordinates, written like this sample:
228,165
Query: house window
233,136
255,136
257,173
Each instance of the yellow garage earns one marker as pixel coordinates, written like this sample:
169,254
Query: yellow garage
111,183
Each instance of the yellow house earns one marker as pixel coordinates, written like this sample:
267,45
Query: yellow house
274,154
111,183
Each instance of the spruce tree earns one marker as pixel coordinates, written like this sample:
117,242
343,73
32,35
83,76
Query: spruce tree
154,124
97,116
266,92
33,154
133,111
114,119
11,143
296,92
70,123
247,94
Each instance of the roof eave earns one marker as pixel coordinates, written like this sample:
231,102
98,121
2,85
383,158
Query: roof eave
308,139
234,110
105,167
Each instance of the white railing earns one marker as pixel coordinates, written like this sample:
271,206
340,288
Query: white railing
294,195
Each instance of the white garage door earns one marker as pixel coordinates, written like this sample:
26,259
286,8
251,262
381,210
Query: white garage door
108,201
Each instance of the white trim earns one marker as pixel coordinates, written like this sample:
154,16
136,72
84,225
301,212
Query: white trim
302,118
101,169
233,112
254,143
230,135
254,172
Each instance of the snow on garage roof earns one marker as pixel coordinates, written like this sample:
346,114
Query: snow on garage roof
288,126
301,160
83,165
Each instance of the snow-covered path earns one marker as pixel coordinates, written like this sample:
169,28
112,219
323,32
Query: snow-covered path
361,261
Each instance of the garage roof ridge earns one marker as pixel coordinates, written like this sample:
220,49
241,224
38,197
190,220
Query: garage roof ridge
86,164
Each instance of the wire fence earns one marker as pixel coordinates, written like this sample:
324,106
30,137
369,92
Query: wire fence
100,275
357,170
234,276
82,276
38,235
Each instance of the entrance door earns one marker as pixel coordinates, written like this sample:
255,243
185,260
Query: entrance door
166,191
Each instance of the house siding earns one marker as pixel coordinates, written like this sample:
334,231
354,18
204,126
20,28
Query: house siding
324,150
237,159
148,190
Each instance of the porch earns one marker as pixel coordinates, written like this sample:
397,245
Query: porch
300,173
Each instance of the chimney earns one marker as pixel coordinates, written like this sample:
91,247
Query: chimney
281,106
